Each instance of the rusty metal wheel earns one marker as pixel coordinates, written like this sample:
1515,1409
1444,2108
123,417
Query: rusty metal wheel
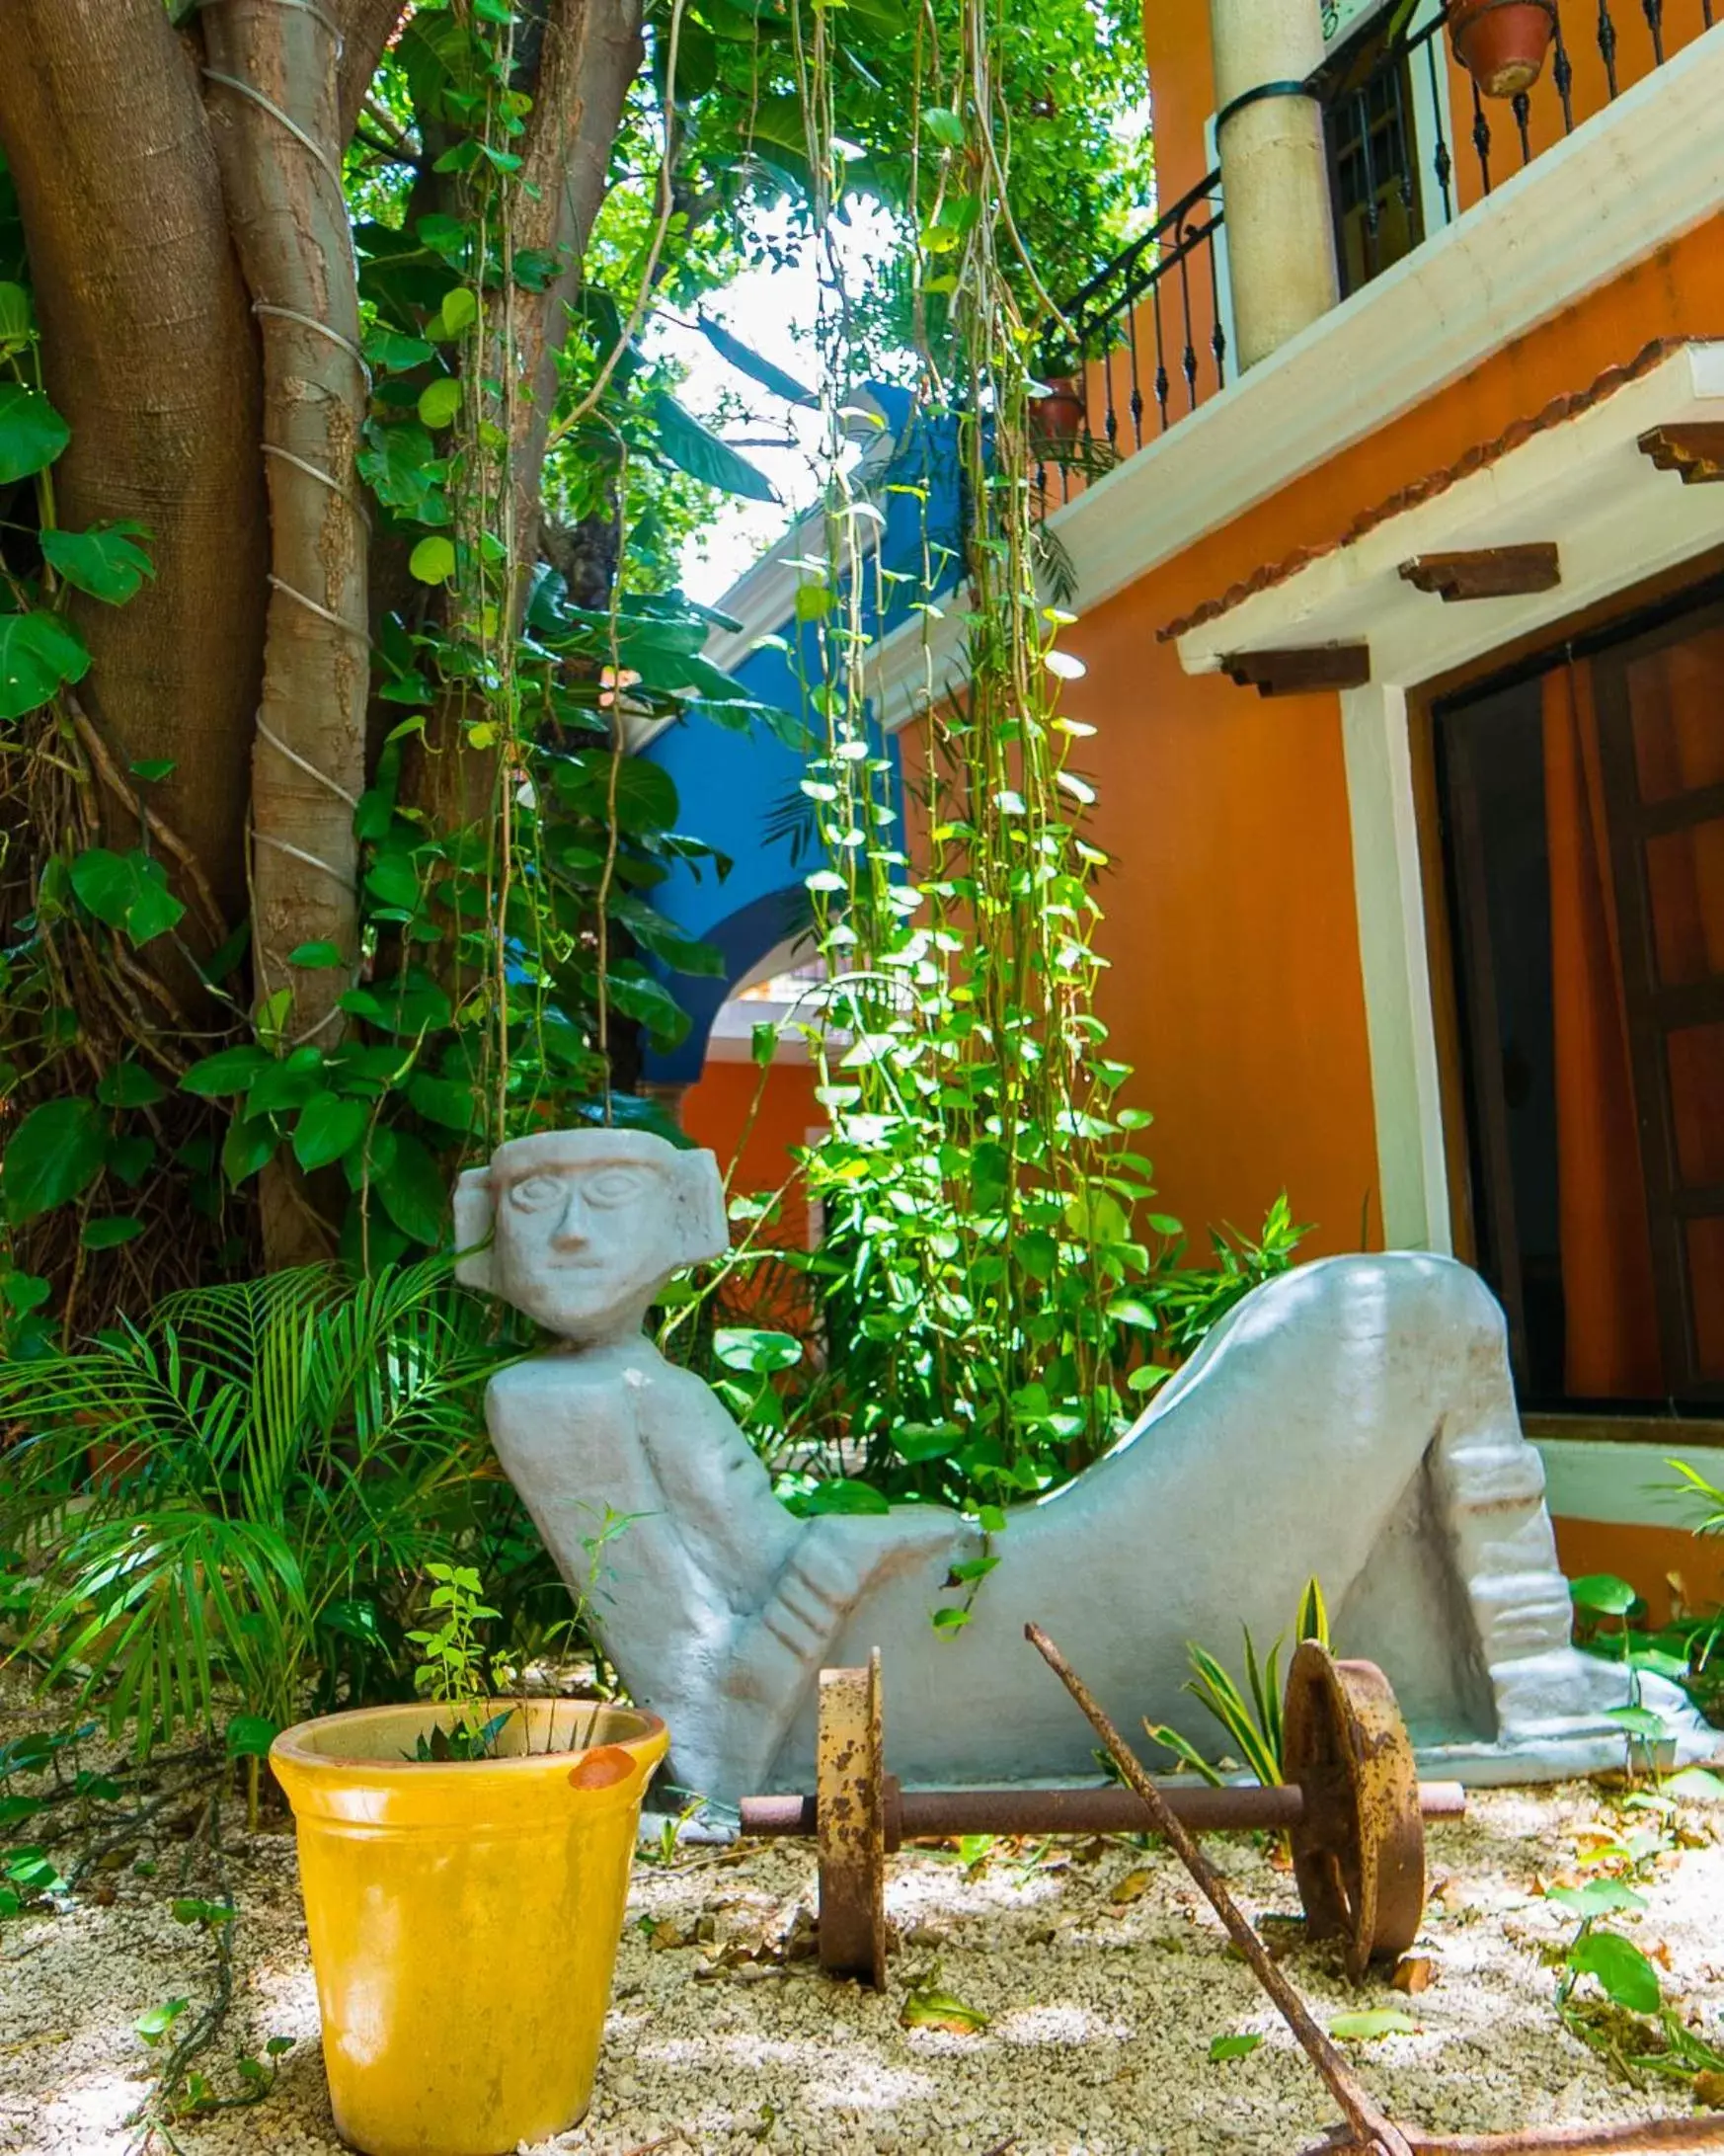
850,1764
1359,1852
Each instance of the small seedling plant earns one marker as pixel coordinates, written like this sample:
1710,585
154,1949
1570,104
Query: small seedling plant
455,1668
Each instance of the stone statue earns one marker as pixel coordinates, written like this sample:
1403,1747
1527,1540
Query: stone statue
1352,1419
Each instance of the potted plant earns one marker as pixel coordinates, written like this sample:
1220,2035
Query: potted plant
1057,408
464,1862
1502,43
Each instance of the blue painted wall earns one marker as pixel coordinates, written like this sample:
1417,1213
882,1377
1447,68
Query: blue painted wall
731,786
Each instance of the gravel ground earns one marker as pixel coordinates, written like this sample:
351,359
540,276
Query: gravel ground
1103,1976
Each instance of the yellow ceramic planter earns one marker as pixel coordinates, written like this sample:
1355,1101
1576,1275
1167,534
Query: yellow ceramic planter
464,1917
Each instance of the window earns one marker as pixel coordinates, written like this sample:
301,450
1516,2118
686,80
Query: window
1368,119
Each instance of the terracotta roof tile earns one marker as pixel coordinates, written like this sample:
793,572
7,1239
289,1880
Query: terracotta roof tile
1434,483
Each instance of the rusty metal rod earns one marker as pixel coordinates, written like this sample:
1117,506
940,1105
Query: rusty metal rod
1639,2135
945,1812
1371,2129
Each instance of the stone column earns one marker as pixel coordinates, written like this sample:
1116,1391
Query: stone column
1275,172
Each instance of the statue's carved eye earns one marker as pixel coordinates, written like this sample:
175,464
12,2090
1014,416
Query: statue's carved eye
613,1186
537,1194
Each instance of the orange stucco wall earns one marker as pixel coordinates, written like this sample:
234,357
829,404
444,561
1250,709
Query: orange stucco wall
715,1112
1645,1556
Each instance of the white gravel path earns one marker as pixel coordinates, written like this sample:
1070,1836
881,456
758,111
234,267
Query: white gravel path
1101,2011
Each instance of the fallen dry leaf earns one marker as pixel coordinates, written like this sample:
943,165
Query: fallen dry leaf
1414,1974
1131,1887
1709,2090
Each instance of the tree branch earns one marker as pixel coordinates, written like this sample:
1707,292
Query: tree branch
367,27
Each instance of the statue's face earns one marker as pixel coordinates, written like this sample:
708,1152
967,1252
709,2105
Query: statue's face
584,1241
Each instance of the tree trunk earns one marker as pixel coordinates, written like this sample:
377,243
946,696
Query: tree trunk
590,54
274,114
151,357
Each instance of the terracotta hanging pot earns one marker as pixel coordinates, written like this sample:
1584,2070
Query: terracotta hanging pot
1502,43
1058,415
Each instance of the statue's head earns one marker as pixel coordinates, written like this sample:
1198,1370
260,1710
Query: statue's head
586,1225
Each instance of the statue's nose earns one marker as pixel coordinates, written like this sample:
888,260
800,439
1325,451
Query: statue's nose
571,1231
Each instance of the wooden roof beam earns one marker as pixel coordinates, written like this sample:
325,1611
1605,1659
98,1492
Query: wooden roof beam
1486,571
1300,671
1692,447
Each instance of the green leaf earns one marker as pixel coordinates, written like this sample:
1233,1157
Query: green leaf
55,1152
110,1230
393,881
1225,2047
401,465
1372,2027
395,354
1603,1592
17,323
327,1127
754,363
841,1495
229,1070
250,1141
433,560
440,401
746,1347
152,768
1697,1784
948,130
929,2008
1640,1721
447,1101
38,652
31,432
130,1085
406,1176
102,561
458,312
248,1736
1628,1978
1598,1897
314,954
128,890
702,455
154,2025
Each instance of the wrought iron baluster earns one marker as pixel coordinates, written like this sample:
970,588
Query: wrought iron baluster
1372,210
1188,363
1481,137
1523,110
1136,384
1161,380
1218,335
1400,141
1706,13
1563,74
1111,419
1655,24
1607,44
1441,163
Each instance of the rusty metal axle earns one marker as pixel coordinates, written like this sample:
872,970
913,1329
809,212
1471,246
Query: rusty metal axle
942,1813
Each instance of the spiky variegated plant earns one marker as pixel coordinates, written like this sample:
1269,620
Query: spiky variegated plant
1250,1713
217,1493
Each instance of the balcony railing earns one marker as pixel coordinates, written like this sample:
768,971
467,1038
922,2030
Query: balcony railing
1412,146
1153,325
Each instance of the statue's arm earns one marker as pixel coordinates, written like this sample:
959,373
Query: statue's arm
715,1487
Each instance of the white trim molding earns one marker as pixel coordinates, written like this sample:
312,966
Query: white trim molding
1401,1035
1625,1486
